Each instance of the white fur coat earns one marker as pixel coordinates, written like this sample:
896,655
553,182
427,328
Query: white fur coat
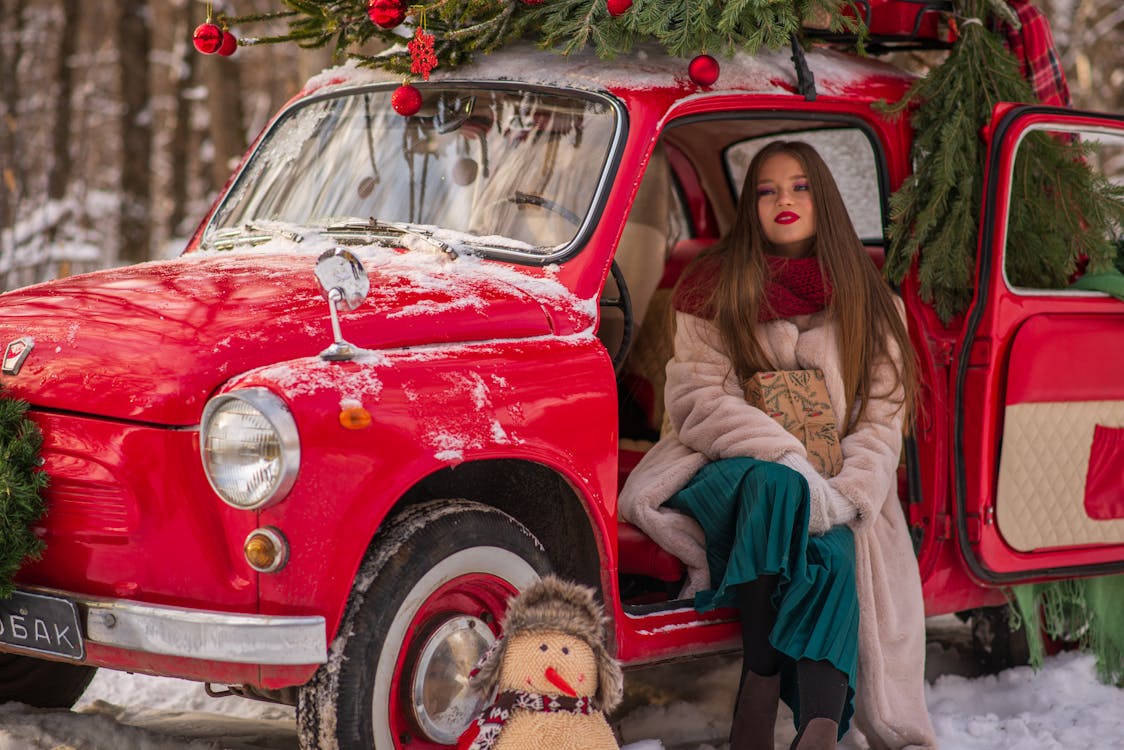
710,419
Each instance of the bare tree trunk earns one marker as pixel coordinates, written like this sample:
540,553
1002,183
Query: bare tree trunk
224,82
58,176
12,175
133,44
181,137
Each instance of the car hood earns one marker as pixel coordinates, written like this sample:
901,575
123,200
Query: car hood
152,342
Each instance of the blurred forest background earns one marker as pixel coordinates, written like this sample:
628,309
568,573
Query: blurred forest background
116,134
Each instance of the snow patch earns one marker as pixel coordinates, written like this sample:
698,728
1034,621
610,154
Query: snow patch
314,375
670,628
683,706
287,143
449,444
57,237
1061,707
480,397
499,434
25,729
432,307
465,281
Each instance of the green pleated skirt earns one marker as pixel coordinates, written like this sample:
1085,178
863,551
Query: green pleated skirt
755,516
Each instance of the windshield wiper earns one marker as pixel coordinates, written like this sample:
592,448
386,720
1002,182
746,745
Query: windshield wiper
247,234
376,228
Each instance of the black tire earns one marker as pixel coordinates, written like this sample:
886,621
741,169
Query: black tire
994,644
436,565
41,683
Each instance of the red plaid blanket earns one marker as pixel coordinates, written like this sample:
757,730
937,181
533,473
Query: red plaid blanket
1033,45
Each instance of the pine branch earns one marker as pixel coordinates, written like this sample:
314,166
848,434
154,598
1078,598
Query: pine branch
935,215
21,486
1061,210
464,27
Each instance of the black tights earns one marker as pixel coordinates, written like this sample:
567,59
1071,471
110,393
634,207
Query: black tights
823,688
754,601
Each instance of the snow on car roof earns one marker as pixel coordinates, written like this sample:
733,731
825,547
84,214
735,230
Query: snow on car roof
769,72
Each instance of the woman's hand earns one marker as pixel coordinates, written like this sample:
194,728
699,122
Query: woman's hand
828,506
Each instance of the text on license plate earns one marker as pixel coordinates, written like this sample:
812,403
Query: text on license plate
44,624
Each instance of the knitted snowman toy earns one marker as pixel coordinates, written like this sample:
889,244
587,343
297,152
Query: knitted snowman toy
552,672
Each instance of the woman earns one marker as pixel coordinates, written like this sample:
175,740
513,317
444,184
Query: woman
821,569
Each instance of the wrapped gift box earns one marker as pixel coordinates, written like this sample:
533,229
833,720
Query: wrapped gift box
798,400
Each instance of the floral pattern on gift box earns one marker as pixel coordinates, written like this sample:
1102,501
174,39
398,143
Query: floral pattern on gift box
798,400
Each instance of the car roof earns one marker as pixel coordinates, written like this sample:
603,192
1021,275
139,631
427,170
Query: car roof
643,70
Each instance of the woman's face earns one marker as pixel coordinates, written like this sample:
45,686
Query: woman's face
784,206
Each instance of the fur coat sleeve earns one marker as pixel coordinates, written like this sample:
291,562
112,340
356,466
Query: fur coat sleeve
872,450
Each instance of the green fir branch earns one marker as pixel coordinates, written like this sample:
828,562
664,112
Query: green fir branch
21,487
250,18
934,215
1061,210
464,27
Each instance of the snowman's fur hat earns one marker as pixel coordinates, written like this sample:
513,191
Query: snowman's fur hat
555,604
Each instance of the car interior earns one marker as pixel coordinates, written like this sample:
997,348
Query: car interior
684,203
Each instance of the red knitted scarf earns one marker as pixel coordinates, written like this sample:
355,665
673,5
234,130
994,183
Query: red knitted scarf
795,286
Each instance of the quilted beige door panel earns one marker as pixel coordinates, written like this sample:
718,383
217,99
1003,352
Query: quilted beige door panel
1040,500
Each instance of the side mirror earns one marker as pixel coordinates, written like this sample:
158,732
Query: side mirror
343,282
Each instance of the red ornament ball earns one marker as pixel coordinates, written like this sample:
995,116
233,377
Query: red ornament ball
406,100
618,7
207,38
386,14
533,2
703,70
229,44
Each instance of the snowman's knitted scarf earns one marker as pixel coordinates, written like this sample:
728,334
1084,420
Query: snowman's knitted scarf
483,733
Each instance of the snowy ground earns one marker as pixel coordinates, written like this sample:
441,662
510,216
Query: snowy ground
674,707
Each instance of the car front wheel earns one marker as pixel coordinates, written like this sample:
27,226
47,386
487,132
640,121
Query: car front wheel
425,606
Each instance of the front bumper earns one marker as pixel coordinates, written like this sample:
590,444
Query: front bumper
199,634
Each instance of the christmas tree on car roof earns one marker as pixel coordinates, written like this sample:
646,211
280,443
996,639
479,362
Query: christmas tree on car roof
463,28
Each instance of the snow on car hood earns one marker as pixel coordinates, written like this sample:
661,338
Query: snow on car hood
152,342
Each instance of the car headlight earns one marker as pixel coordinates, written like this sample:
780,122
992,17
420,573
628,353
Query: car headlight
250,447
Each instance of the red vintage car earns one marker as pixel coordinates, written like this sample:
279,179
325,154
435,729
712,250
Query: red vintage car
405,363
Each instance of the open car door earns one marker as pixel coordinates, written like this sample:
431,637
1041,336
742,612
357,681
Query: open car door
1039,392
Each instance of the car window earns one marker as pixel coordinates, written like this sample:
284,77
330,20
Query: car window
499,165
851,159
1043,248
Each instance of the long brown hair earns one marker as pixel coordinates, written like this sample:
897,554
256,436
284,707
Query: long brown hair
861,304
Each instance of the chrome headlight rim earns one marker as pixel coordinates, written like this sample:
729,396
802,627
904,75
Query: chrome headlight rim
274,410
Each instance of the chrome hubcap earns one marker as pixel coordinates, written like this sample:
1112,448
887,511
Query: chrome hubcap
443,703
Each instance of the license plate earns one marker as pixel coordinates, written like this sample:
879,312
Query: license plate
43,624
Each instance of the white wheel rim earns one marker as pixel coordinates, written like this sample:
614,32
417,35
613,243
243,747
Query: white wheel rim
494,561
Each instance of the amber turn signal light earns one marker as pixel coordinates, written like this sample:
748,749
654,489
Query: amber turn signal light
355,418
266,550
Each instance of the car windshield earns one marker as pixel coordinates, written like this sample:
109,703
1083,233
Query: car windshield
510,168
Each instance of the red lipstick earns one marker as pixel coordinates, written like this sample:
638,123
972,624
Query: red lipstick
786,217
